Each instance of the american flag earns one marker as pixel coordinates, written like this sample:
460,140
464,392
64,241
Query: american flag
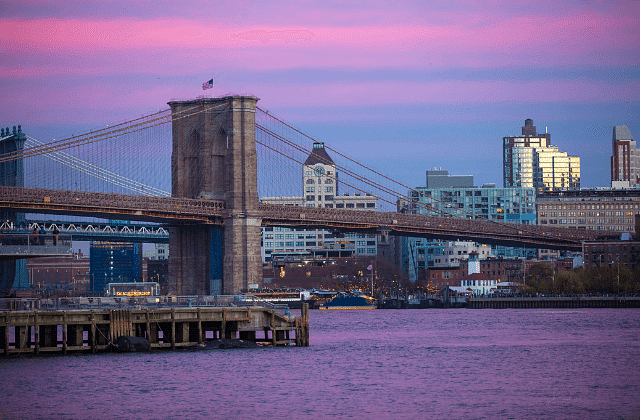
207,85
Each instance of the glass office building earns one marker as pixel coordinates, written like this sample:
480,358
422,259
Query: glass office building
531,161
113,262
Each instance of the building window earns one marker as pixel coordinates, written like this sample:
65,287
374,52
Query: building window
370,205
328,197
310,181
328,189
311,198
310,189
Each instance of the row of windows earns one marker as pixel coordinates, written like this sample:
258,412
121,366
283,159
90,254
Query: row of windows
609,248
272,245
327,181
296,236
586,213
313,189
587,206
619,222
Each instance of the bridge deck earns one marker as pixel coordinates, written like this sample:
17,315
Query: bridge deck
182,210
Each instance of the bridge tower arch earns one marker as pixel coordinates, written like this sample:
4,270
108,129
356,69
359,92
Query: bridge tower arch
214,157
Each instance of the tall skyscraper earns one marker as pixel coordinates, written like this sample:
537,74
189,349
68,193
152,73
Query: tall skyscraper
625,161
530,160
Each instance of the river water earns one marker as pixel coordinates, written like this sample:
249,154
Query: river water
380,364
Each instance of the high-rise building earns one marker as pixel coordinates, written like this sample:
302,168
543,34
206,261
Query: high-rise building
625,161
530,161
114,262
509,205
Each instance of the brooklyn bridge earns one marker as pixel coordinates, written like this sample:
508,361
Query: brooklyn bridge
221,155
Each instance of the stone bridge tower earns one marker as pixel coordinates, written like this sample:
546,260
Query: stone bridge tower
214,157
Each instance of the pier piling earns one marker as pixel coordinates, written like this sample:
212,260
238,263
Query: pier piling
63,331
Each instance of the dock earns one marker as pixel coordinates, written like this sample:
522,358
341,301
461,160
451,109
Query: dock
550,302
40,332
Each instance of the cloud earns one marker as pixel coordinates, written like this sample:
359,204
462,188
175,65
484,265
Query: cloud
569,39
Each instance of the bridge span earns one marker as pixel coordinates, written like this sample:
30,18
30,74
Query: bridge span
215,240
213,212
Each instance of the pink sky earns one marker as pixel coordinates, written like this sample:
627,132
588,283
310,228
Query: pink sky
86,63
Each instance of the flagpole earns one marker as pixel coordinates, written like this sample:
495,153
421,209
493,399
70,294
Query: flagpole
208,85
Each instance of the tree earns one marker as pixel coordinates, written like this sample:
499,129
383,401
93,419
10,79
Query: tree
541,278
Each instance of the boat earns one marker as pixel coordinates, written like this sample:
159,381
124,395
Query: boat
293,298
345,302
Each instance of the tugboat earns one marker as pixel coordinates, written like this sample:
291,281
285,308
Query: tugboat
345,301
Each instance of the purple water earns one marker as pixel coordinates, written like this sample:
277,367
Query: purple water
405,364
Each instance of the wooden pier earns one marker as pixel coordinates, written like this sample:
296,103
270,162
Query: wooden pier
93,331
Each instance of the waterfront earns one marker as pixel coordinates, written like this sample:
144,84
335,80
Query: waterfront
579,363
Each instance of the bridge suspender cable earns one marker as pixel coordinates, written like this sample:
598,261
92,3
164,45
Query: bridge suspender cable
101,173
516,227
348,172
93,137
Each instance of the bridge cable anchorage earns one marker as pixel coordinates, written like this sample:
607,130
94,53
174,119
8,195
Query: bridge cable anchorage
520,229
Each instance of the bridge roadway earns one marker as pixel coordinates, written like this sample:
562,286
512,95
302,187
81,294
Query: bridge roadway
183,210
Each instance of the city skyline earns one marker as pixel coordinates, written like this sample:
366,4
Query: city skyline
443,83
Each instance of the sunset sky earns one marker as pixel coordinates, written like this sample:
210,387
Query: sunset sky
403,86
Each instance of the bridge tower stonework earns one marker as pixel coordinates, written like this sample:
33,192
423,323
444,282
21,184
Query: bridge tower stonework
214,157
